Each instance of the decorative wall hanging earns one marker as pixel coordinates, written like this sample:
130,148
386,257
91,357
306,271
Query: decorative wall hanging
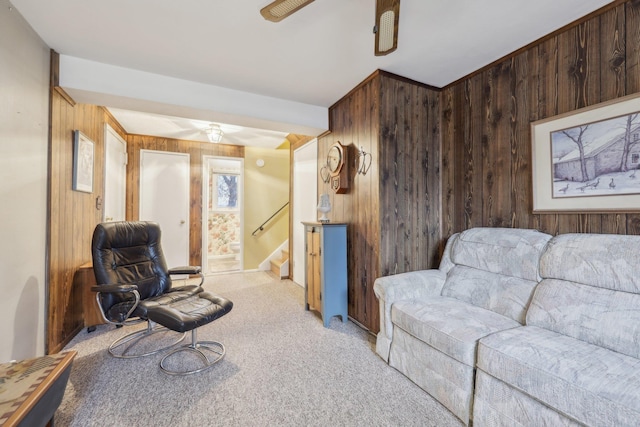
324,173
83,155
588,160
363,161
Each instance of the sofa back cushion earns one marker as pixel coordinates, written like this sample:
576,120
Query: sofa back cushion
603,260
508,251
591,290
496,269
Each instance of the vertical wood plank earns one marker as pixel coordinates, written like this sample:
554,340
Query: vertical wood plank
632,76
612,54
472,156
632,46
447,163
524,111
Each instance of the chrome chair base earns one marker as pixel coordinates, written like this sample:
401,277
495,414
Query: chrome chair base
121,347
214,349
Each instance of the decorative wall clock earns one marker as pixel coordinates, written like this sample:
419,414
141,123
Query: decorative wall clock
337,162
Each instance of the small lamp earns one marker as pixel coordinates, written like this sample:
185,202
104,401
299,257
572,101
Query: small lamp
324,206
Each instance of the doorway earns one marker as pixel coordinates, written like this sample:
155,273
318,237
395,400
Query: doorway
223,213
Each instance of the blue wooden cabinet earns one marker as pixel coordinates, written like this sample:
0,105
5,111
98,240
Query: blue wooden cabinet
326,269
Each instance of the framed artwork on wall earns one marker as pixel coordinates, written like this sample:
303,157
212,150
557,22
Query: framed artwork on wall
83,157
588,160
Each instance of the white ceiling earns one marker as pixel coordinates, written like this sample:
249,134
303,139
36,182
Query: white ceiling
313,57
141,123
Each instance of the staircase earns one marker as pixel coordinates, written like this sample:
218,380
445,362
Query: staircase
280,266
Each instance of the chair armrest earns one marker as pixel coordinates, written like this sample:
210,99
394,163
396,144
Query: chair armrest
114,288
187,269
390,289
109,289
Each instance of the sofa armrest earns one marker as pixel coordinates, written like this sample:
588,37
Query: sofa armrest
411,285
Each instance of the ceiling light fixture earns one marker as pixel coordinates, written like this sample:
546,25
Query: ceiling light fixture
386,28
280,9
214,133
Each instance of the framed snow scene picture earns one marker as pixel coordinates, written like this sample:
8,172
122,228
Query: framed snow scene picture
588,160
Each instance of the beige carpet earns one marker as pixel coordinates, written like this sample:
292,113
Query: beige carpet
282,368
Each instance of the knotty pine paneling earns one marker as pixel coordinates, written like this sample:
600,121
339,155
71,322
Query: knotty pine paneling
486,122
409,159
524,111
72,214
393,210
632,46
196,151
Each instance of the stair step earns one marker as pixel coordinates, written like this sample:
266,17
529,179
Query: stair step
277,269
277,262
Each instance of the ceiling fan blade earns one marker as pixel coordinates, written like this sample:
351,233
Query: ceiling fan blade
280,9
386,28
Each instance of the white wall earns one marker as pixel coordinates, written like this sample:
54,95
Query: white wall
24,118
305,202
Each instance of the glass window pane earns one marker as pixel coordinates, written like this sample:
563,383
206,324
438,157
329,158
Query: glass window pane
227,191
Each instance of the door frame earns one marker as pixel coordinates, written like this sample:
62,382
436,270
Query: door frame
205,210
110,131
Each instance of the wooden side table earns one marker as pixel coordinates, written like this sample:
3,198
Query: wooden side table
31,390
84,279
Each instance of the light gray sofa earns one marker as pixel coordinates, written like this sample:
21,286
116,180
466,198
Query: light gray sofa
575,362
431,321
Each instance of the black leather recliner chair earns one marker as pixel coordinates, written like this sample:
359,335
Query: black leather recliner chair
134,285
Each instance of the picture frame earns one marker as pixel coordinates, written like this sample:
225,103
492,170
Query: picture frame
83,162
586,160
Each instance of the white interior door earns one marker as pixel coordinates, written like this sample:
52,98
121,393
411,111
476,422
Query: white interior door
115,173
164,198
305,201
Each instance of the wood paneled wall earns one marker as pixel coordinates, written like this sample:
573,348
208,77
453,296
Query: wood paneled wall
393,210
196,150
354,121
409,160
486,122
72,214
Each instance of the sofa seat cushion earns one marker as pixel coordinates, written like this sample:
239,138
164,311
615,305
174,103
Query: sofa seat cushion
449,325
590,384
